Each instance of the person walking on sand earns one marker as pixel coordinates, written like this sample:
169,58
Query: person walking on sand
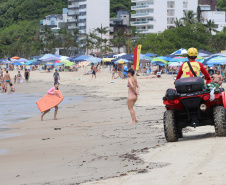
56,76
26,75
93,69
52,92
18,77
7,80
132,94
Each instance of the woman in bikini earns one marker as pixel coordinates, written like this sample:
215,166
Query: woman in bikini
133,93
52,91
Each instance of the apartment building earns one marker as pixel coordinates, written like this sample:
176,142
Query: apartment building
55,21
87,15
153,16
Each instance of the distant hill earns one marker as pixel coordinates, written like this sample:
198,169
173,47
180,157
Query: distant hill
120,5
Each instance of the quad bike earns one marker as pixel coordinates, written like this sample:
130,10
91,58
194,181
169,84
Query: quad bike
191,105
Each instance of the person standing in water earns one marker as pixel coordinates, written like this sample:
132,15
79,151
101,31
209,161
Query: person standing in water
132,94
26,75
7,80
52,92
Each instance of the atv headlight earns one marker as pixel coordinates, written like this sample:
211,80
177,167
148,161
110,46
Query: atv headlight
203,107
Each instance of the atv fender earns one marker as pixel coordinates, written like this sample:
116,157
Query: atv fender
223,99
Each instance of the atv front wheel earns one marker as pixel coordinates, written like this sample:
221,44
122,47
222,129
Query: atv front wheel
220,121
170,128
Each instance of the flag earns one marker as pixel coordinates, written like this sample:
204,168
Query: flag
136,57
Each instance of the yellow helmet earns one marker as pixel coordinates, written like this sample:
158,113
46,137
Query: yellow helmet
192,52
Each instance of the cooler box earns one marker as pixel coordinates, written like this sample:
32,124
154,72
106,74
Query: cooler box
187,85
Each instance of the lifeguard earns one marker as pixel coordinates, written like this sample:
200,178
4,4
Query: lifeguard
196,66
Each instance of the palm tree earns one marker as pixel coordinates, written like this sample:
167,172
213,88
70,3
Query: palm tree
189,17
119,39
102,31
178,23
210,25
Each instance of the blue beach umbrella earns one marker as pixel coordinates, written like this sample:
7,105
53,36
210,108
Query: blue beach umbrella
93,60
217,61
17,64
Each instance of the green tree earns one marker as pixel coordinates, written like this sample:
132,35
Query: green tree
178,23
189,17
210,25
199,14
119,39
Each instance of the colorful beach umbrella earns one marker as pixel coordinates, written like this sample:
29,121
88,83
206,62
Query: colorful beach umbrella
121,61
156,60
69,64
64,61
16,57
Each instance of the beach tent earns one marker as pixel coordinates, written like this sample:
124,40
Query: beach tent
203,53
50,59
63,57
127,57
80,58
151,55
119,55
107,59
93,60
180,52
46,56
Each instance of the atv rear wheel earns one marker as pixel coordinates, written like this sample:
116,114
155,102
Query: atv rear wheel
220,121
170,128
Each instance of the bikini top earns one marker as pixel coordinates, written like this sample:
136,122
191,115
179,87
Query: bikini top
129,86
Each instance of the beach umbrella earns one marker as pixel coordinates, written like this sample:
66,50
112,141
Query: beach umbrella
64,61
121,61
17,64
179,59
175,64
46,56
22,60
165,58
217,61
147,58
58,61
151,55
180,52
69,64
158,63
58,64
16,57
50,64
155,60
127,57
144,61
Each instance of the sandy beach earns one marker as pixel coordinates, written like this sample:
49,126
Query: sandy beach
92,142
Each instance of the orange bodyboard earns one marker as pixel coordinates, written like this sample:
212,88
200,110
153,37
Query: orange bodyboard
49,101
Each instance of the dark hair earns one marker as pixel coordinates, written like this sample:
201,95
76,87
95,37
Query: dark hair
192,57
11,84
6,71
131,71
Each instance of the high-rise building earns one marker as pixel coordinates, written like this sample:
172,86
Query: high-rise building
153,16
87,15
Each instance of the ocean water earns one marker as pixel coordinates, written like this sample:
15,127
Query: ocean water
15,107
